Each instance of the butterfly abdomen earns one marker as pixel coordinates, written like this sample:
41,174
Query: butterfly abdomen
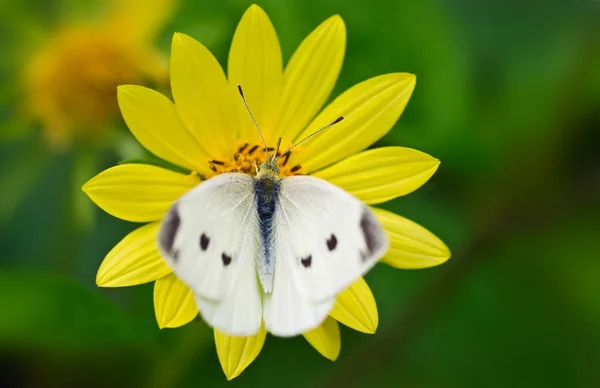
266,190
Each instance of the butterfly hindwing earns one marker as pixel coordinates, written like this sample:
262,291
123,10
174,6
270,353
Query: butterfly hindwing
287,312
208,238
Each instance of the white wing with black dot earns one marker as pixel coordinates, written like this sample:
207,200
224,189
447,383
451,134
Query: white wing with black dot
208,238
325,239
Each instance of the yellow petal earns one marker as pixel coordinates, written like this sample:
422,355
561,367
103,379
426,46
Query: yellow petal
155,123
138,192
255,63
411,245
134,260
355,307
140,19
236,353
371,108
326,339
174,303
381,174
203,96
310,75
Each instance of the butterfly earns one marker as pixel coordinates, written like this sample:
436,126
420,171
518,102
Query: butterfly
264,249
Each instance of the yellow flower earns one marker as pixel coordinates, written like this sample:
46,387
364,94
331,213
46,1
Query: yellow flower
208,131
70,81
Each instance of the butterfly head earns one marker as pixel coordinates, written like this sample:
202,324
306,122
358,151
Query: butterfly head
270,168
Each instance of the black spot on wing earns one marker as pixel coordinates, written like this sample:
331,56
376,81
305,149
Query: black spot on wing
332,242
306,261
226,259
169,230
371,232
204,240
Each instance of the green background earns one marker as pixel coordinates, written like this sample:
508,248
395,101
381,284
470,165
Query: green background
507,97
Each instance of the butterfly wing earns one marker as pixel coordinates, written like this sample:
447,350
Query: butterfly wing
287,312
325,239
208,238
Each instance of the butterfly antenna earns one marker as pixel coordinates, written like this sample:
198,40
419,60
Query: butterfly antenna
239,87
276,149
311,135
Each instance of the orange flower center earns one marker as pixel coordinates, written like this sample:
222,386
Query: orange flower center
250,156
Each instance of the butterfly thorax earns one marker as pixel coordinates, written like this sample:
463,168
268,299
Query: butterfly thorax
268,169
266,190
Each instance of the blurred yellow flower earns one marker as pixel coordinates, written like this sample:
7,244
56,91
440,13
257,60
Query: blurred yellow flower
207,131
70,81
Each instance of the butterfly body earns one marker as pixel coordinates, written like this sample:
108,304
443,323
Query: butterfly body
266,191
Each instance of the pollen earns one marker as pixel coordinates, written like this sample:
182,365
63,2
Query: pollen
250,156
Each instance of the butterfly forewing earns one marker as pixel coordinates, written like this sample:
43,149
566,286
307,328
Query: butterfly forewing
336,238
208,238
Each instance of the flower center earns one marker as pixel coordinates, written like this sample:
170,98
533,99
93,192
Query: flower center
72,82
244,159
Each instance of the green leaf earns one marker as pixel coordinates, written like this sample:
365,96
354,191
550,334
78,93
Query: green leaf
51,311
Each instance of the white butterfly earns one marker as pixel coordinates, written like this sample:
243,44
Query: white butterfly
269,249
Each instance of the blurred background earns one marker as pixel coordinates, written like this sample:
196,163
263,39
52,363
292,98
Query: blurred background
507,97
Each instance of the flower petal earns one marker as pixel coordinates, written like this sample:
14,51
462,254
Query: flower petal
381,174
355,307
326,339
371,108
203,96
134,260
310,75
174,303
236,353
411,245
155,123
255,63
138,192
